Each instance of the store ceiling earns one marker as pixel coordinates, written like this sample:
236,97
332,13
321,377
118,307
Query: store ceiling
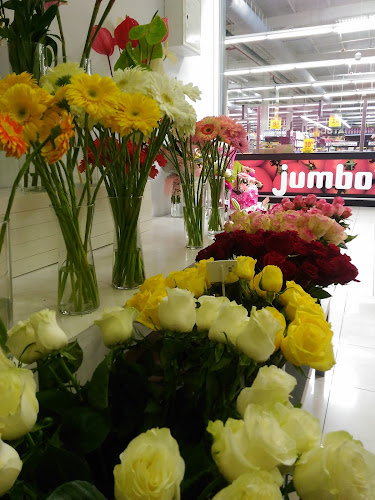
244,17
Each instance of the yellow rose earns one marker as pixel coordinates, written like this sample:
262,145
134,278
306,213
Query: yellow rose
151,468
188,279
10,467
281,319
245,267
308,342
148,306
270,279
294,297
255,285
152,284
259,485
341,469
202,270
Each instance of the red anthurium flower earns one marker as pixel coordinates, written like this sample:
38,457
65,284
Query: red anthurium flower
122,33
104,42
165,19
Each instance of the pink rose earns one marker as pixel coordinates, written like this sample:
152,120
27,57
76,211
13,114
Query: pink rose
328,209
311,199
346,213
338,201
339,209
320,203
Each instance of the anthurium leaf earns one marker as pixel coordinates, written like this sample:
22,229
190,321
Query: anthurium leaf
157,31
122,62
98,385
76,490
132,55
157,51
138,32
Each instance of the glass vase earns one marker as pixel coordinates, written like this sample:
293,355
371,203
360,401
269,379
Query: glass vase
176,206
194,218
6,291
77,284
128,268
218,200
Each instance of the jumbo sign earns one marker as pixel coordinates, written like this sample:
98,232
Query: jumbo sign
327,175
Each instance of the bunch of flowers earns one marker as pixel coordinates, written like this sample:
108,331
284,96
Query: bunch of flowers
311,204
243,187
310,265
142,417
219,138
310,226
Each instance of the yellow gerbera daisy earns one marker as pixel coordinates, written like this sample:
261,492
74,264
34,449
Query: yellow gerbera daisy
136,112
13,79
61,75
11,137
26,106
62,131
95,94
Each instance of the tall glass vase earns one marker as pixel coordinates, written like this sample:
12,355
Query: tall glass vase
6,291
217,205
194,208
77,284
128,268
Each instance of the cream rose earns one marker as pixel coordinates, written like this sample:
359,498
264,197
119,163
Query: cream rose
10,467
341,469
258,485
5,362
177,310
255,443
116,325
271,385
229,323
39,335
19,406
257,338
151,468
208,311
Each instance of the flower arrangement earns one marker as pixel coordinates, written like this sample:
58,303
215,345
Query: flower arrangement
311,204
312,265
243,187
310,226
219,138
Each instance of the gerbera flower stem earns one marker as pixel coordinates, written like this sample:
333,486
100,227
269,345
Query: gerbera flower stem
63,46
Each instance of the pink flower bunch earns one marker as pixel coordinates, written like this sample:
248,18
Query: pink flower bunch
309,226
311,204
221,129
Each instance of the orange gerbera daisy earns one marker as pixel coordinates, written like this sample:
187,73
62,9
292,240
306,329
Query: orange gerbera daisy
11,137
206,129
61,128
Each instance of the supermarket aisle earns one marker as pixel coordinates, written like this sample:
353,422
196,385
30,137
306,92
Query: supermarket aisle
345,397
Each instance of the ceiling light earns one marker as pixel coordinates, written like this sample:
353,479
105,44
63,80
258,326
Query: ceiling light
353,25
316,123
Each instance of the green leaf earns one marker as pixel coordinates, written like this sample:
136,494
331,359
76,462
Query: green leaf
132,55
122,62
56,401
3,334
157,51
157,31
319,293
98,385
138,32
219,351
76,490
84,428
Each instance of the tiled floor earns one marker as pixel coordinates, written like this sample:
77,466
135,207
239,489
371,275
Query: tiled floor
345,397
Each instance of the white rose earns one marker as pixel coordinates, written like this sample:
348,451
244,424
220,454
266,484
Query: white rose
5,362
208,312
177,310
257,338
10,467
341,469
19,406
39,335
300,425
116,325
251,486
271,385
229,323
151,468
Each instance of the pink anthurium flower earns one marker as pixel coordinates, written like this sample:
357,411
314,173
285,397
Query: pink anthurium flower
165,19
47,5
104,42
121,33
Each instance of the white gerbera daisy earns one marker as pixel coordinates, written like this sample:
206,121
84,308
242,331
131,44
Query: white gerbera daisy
132,80
60,75
169,96
190,90
185,124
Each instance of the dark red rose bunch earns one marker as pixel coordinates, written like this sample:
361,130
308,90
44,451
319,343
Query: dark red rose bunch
308,264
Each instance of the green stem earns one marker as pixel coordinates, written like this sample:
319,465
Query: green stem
72,378
63,47
89,42
30,440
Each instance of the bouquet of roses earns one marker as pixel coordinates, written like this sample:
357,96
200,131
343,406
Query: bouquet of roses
312,265
311,204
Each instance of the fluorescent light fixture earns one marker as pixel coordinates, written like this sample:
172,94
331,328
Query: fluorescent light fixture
344,122
353,25
233,40
315,123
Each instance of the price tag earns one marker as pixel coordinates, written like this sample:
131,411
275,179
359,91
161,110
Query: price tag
316,133
308,145
334,121
218,270
275,124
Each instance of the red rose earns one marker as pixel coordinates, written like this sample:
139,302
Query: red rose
279,242
274,259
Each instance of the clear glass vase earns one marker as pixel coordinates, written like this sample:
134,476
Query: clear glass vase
176,206
218,200
6,290
194,208
77,284
128,267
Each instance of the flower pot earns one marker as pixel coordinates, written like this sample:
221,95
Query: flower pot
6,291
77,284
128,268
